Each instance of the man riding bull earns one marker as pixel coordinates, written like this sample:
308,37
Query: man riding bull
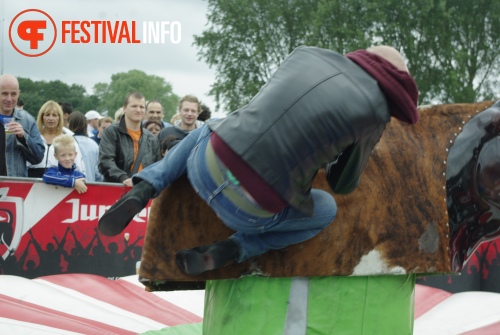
255,167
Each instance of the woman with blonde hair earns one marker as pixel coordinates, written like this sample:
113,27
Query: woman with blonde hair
50,122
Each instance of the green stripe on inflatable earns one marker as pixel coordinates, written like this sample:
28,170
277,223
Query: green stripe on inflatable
189,329
335,305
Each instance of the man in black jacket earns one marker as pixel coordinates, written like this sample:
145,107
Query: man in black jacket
126,147
255,168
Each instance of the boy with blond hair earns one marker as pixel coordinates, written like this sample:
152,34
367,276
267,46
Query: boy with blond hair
65,173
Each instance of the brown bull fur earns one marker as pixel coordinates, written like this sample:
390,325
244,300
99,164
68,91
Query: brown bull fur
395,222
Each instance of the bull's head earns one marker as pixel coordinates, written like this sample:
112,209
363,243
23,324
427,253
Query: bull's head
473,186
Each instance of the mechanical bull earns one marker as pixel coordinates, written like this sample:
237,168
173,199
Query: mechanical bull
428,196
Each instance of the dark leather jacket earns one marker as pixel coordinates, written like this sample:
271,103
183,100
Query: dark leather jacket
116,152
319,107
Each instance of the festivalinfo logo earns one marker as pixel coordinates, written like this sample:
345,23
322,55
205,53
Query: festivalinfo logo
33,32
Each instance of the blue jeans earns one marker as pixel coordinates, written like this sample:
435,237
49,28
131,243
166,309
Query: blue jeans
255,235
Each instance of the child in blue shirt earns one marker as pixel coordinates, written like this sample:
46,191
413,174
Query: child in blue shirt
65,174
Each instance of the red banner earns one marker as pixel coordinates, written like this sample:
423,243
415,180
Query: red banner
46,230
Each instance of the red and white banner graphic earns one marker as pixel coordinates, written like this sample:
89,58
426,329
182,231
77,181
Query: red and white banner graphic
46,230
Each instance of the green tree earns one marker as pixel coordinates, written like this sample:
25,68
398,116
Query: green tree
247,40
452,46
343,26
31,96
35,93
112,95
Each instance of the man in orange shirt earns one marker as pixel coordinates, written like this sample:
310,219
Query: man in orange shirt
125,148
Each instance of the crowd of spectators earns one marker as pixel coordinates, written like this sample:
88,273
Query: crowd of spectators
102,149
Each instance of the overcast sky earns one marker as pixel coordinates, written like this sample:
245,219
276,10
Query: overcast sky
88,64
